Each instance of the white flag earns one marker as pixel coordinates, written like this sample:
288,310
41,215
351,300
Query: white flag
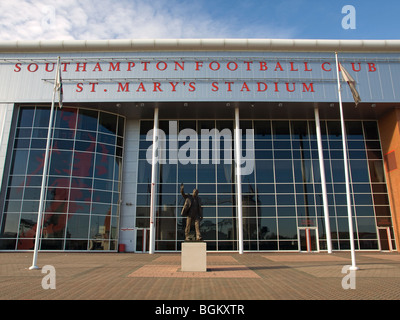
352,84
59,86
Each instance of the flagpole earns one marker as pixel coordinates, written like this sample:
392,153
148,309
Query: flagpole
154,164
44,175
323,180
238,157
346,171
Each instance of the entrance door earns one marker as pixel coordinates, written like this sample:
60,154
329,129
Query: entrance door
142,239
385,238
308,238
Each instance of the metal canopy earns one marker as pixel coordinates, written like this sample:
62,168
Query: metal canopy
304,45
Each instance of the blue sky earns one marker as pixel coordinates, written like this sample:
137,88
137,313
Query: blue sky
123,19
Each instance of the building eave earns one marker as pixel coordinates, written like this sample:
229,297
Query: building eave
143,45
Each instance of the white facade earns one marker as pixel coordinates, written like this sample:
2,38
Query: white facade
273,86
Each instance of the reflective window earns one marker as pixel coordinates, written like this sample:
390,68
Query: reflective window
281,193
82,194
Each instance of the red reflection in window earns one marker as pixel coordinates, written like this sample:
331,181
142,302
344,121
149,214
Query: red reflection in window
68,117
54,225
83,164
69,191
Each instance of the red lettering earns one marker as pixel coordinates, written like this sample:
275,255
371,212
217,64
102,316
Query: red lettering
278,65
287,87
78,65
114,67
79,87
198,65
130,66
276,86
47,67
306,67
35,67
218,66
259,89
353,67
248,64
65,64
93,86
263,66
292,68
180,65
192,87
371,67
323,66
310,87
173,86
160,66
214,86
141,88
229,86
98,67
157,87
17,67
123,88
235,66
245,87
145,65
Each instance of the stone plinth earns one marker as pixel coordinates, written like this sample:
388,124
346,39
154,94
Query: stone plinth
194,256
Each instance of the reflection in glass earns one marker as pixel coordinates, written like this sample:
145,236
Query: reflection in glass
281,129
371,130
78,226
108,123
186,173
283,171
226,229
71,202
42,116
287,228
168,173
283,189
87,120
208,229
262,130
267,229
354,130
265,171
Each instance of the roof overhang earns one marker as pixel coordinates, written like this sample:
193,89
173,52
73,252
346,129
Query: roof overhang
138,45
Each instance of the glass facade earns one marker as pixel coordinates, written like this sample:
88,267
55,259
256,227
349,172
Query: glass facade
282,196
84,180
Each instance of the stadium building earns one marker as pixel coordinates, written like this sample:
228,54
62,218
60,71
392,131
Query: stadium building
253,124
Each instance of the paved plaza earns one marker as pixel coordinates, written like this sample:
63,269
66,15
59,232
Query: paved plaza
229,276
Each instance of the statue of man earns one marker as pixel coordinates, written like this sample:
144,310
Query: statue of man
193,211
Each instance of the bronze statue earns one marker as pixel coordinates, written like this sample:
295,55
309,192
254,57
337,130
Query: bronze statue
193,211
